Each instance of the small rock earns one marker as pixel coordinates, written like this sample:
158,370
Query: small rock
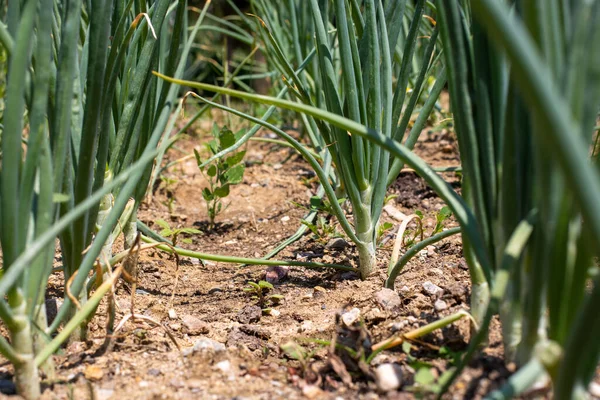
388,299
277,166
594,389
349,276
195,261
249,314
306,326
153,372
176,383
312,392
440,305
223,366
52,306
144,384
449,265
437,271
404,290
375,314
285,219
463,264
256,331
398,326
93,373
433,290
274,313
423,253
337,244
172,314
76,347
458,290
215,289
350,317
195,326
319,292
388,377
277,273
103,394
176,326
7,387
430,251
205,345
411,319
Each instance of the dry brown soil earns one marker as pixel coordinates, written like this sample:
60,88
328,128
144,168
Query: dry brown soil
237,352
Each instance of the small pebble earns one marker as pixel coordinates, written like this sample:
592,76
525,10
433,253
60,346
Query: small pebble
153,372
195,326
594,389
388,299
274,313
205,345
388,377
312,392
337,244
223,366
103,394
306,326
285,218
249,314
440,305
430,251
172,314
398,326
404,290
350,317
433,290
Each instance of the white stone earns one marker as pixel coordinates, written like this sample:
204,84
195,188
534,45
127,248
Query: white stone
223,366
440,305
350,317
388,377
433,290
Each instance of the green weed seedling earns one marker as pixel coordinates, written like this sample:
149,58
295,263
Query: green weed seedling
440,218
322,228
173,233
259,292
223,172
425,381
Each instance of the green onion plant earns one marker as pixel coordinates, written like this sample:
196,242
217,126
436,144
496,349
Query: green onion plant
361,41
79,98
525,93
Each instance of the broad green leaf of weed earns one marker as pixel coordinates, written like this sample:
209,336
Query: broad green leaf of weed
212,171
191,231
222,191
294,351
236,158
226,138
207,194
235,175
163,224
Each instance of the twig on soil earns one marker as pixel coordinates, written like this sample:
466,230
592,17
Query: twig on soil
149,319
